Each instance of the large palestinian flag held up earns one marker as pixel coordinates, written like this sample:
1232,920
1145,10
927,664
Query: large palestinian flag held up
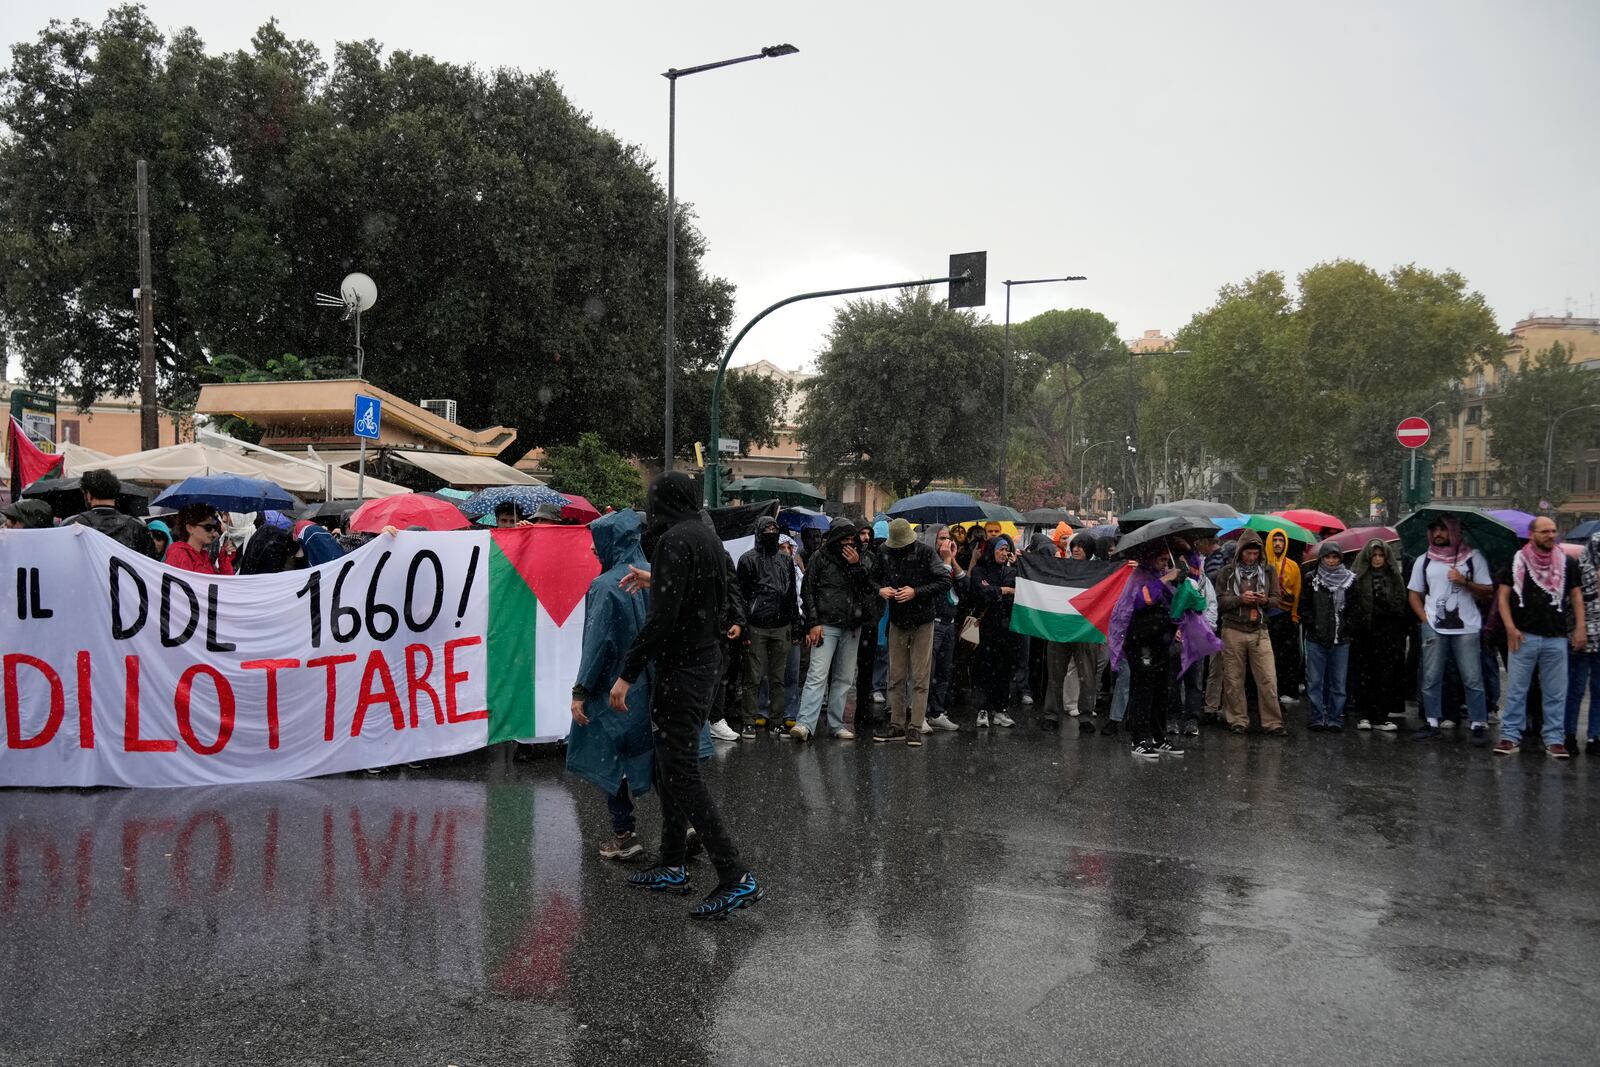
1066,599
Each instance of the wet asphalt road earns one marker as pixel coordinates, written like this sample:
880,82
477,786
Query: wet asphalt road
1006,897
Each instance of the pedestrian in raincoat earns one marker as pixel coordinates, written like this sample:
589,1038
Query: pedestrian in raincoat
1283,617
613,750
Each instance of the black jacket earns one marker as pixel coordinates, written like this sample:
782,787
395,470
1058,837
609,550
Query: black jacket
124,529
1320,623
766,581
836,593
919,567
690,573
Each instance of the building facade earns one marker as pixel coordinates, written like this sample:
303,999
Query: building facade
1466,472
109,425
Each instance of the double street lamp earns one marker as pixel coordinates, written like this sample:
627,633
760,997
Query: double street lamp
1005,373
1550,440
770,52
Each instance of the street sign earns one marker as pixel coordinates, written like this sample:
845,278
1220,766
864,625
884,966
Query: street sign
973,268
368,417
1413,432
728,446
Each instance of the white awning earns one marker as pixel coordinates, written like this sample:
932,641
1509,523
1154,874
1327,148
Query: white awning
466,470
174,463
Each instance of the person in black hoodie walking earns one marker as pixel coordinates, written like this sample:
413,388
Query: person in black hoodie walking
767,584
689,579
911,578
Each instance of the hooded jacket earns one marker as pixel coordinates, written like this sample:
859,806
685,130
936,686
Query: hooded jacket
615,745
690,573
1288,571
766,580
1381,604
987,580
837,593
944,605
918,566
1232,611
1063,539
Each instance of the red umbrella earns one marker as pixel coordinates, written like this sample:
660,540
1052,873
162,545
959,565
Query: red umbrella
579,509
408,509
1316,521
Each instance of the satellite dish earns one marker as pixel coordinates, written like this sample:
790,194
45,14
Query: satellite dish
359,291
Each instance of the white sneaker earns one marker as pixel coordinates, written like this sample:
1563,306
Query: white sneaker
721,731
1027,700
1290,701
1447,724
1072,713
983,720
942,722
799,733
846,734
1364,724
1387,726
1002,719
927,727
878,698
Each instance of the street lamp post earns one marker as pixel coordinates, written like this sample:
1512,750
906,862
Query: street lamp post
770,52
1083,455
1550,441
1005,372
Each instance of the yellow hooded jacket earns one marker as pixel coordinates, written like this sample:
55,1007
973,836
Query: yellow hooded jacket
1288,570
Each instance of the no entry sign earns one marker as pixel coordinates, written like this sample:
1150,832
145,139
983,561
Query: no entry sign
1413,432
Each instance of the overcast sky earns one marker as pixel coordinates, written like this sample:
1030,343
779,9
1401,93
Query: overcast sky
1162,149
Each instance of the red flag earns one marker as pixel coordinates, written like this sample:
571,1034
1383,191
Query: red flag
28,463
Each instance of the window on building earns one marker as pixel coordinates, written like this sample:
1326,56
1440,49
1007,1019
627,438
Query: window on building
67,432
1466,451
1494,487
1475,415
1471,487
1591,481
1447,487
1479,382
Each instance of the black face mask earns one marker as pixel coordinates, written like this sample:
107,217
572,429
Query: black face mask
768,539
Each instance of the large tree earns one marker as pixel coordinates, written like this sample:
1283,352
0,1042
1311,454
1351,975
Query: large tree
1061,353
906,391
516,246
1522,419
1305,389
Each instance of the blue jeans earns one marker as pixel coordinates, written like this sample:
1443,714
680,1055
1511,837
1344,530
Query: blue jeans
1548,656
944,661
1581,667
1468,664
1119,692
1326,667
832,673
621,808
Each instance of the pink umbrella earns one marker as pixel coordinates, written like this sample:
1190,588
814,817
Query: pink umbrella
579,509
408,509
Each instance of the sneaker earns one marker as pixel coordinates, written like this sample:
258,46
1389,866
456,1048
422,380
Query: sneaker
1289,701
1145,750
878,698
727,899
1002,719
1191,729
1593,747
662,880
1447,724
1426,732
1277,731
748,731
1480,734
1364,724
1049,722
1494,718
1027,700
1167,748
843,734
914,738
983,720
927,728
1387,726
1315,727
889,733
1085,725
943,722
800,733
1558,752
1237,728
1571,744
1072,713
778,729
623,846
1506,747
721,731
1109,728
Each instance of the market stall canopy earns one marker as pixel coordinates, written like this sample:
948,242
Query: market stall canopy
174,463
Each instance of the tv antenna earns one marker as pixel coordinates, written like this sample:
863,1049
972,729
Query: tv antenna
357,293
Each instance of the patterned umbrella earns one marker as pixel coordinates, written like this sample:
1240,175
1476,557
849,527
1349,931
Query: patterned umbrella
527,498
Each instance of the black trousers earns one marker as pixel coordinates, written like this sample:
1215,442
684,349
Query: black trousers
1150,671
1378,673
681,700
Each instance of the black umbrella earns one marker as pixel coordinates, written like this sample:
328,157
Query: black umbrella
1160,529
1049,517
331,509
65,497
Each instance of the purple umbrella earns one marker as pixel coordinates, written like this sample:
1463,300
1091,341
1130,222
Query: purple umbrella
1519,521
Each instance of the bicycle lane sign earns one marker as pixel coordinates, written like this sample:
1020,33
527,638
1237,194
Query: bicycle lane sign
368,416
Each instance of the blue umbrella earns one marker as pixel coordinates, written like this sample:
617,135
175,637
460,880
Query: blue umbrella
937,506
803,519
1583,531
227,492
527,498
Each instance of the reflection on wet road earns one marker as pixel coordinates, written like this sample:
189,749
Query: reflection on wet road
1017,898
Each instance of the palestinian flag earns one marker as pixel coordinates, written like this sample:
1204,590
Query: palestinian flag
1066,599
538,577
28,462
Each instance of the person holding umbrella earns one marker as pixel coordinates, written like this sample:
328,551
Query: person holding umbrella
1141,635
1447,582
1541,603
196,529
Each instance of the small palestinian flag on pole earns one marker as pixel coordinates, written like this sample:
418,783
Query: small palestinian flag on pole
27,461
1066,599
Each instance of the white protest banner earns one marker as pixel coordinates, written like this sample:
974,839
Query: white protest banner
118,670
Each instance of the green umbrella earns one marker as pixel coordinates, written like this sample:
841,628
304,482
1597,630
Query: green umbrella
1000,513
1265,523
1497,541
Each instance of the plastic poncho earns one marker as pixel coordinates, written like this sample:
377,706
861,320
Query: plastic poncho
615,745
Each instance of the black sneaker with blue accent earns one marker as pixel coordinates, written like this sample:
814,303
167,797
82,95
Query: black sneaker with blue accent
728,899
662,880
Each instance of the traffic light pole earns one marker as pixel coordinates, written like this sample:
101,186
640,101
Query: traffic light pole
713,479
